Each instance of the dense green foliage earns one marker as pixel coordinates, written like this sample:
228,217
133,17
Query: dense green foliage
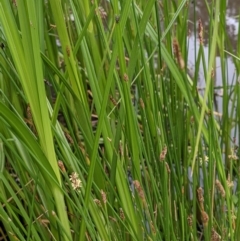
103,134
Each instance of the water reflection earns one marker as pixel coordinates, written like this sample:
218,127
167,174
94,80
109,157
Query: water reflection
198,10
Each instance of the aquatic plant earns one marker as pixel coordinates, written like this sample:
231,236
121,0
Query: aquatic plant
104,132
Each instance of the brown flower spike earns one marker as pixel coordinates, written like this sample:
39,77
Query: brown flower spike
220,188
139,189
178,54
163,153
200,31
104,197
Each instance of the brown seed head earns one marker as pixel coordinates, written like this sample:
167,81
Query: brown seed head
163,153
139,189
229,182
220,188
167,167
153,228
178,54
200,31
98,202
125,77
200,194
104,197
61,166
122,216
205,218
113,100
141,103
215,236
102,12
68,137
190,220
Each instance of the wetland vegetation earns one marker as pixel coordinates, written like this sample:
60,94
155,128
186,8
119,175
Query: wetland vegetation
104,131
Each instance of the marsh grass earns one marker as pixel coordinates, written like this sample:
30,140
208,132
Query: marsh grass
103,134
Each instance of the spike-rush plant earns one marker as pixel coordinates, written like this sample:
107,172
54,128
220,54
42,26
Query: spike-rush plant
103,133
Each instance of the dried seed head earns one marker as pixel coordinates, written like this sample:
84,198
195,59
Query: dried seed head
112,219
178,54
122,216
190,220
139,189
153,228
220,188
53,25
125,77
113,100
229,182
233,156
163,153
98,202
44,222
206,158
168,168
68,137
183,189
104,197
215,236
141,103
200,31
102,12
61,166
75,181
200,197
205,218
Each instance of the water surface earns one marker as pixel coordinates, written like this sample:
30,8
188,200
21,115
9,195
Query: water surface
198,10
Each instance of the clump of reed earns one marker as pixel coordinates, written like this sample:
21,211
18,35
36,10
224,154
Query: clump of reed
104,133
